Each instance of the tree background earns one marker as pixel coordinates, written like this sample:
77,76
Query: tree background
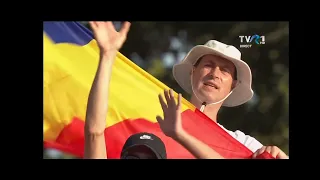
156,46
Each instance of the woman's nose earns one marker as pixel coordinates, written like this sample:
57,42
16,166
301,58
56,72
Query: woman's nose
215,72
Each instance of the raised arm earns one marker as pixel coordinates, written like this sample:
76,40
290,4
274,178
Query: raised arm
109,42
171,126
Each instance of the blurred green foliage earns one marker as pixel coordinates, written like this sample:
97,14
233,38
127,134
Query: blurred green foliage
156,46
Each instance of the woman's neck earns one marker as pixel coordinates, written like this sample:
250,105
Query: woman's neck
210,110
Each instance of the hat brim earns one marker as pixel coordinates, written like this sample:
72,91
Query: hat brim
241,94
139,145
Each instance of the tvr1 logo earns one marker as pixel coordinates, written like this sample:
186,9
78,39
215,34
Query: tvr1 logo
249,40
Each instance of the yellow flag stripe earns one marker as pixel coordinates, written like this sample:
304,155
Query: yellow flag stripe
69,71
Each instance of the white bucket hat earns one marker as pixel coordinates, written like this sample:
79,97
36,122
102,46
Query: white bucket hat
241,93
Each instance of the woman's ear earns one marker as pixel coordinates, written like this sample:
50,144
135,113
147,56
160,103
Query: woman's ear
234,84
192,71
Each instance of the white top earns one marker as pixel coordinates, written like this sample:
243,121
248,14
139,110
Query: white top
250,142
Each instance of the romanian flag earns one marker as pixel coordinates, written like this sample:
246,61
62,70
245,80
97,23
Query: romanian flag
70,62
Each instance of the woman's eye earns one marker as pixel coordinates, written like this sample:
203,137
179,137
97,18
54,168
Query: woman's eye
225,70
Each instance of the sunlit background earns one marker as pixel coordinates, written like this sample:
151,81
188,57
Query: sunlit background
156,46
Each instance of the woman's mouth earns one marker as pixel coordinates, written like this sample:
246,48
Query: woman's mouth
211,85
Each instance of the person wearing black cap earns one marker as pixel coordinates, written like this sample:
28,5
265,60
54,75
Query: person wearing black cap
143,146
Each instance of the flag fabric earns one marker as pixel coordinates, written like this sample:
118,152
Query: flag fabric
70,62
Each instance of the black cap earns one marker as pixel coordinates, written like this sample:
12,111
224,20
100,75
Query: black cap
153,142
